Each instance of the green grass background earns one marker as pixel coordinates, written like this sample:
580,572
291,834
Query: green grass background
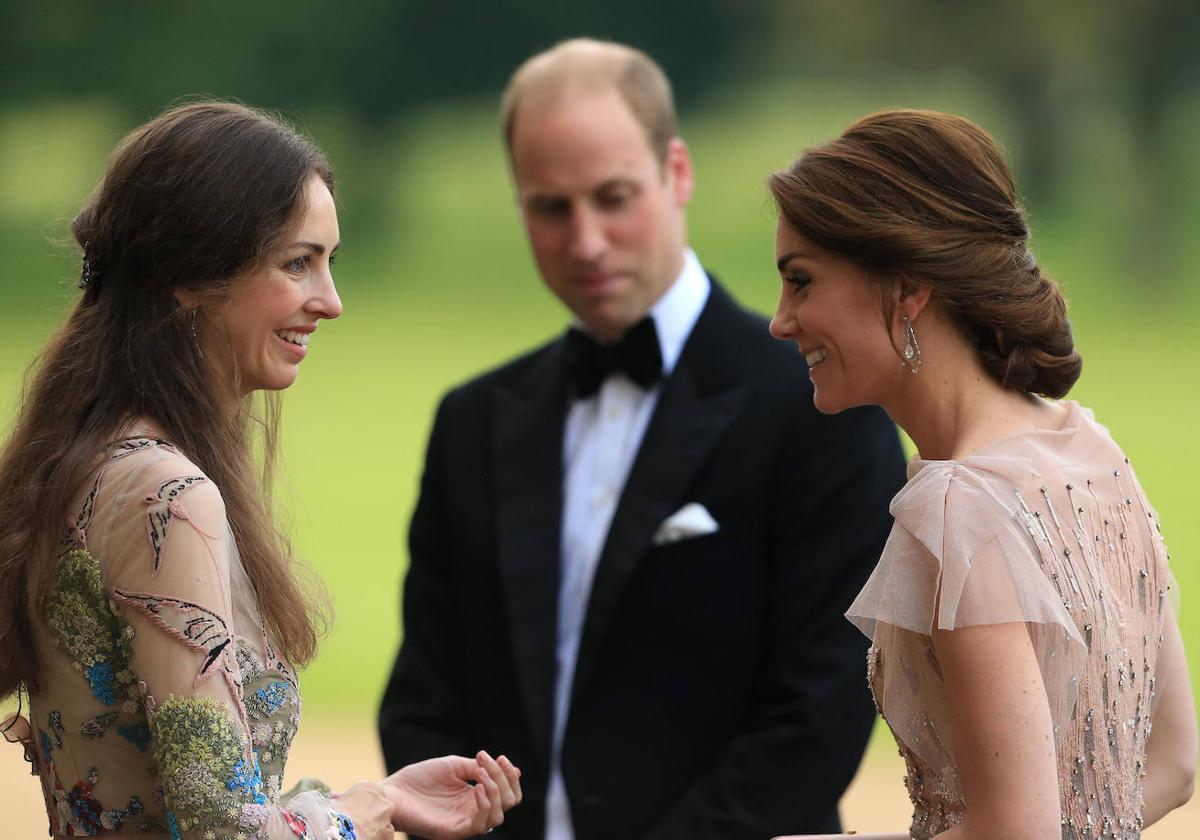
438,284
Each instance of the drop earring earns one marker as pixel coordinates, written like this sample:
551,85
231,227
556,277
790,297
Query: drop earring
195,335
911,352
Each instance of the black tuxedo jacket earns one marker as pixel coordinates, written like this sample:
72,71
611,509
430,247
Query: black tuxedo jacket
719,692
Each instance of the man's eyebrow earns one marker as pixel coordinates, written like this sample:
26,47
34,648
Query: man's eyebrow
613,183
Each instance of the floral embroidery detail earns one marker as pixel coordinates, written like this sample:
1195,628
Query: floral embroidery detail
56,726
138,735
248,780
129,446
254,816
200,758
80,812
163,506
341,828
100,678
95,727
198,627
84,624
268,700
212,775
296,823
77,538
173,826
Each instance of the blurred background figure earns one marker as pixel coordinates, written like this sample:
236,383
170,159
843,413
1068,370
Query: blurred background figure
1097,108
634,544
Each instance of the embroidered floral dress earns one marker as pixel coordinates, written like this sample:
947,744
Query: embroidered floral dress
1050,528
163,708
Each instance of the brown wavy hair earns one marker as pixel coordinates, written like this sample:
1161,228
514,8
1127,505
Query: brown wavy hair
925,197
194,199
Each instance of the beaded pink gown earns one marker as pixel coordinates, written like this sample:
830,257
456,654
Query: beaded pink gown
1050,528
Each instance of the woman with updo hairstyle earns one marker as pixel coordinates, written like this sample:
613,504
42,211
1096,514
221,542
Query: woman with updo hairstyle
1025,650
150,608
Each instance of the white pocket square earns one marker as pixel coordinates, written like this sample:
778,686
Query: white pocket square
691,520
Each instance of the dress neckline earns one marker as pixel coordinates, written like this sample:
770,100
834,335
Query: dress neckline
1063,434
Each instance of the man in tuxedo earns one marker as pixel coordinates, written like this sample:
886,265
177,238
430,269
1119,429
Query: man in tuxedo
634,545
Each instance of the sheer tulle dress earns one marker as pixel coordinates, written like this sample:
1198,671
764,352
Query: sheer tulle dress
1050,528
163,708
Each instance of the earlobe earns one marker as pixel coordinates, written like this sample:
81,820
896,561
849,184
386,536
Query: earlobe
186,298
915,297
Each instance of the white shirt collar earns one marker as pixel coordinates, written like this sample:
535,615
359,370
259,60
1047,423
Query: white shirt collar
676,312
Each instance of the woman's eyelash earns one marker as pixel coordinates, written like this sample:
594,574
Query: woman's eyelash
799,281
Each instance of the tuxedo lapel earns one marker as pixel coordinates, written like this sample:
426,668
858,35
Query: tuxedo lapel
527,460
693,410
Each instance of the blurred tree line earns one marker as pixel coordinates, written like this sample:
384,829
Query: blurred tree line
377,60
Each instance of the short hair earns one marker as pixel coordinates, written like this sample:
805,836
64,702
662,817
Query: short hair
586,65
925,197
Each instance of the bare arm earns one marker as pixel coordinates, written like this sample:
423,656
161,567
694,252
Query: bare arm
1171,751
1002,731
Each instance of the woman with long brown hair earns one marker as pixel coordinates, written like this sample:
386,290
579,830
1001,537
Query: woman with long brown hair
1025,645
149,606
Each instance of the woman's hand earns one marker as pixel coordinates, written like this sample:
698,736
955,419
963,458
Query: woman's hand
453,797
369,808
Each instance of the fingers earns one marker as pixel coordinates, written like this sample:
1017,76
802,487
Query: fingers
494,808
502,777
484,811
513,774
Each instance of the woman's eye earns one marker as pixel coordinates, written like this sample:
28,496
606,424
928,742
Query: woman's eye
297,265
798,281
332,259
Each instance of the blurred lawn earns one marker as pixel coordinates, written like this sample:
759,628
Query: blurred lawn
438,284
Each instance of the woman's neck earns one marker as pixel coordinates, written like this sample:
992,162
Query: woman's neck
954,408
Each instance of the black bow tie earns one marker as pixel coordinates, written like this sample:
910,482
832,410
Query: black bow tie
637,355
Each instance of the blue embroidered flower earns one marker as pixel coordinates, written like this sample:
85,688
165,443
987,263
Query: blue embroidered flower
100,678
173,826
249,781
46,745
269,699
138,735
85,807
344,826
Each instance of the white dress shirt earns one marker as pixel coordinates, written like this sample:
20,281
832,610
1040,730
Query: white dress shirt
603,434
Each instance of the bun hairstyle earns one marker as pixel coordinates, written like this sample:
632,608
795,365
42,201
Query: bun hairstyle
921,197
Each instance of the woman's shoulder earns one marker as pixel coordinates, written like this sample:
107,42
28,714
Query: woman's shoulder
977,484
1013,466
156,473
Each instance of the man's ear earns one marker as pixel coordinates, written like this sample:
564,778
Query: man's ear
678,168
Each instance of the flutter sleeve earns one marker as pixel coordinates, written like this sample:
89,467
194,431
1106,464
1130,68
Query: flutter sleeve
963,551
169,557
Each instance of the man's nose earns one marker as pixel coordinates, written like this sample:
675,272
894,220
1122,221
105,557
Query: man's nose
588,239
